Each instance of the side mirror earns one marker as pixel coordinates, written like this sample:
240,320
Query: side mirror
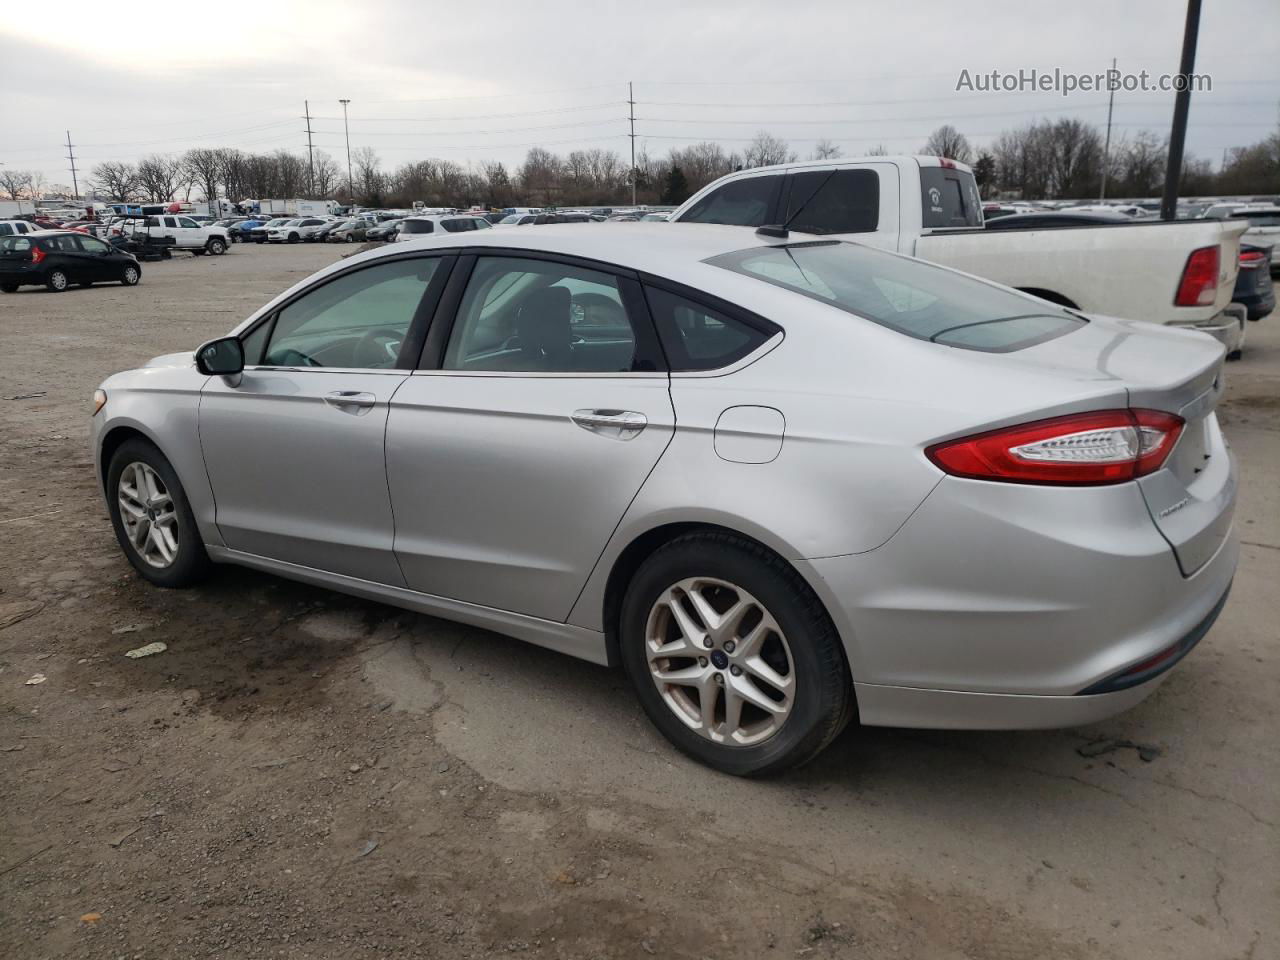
221,358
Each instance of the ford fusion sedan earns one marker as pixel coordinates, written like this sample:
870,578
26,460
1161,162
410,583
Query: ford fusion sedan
783,482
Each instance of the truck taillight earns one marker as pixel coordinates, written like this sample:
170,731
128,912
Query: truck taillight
1199,284
1083,449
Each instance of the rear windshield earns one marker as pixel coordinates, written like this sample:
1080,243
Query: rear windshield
916,299
417,226
949,198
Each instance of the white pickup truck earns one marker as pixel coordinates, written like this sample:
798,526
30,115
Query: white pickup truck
188,234
1175,273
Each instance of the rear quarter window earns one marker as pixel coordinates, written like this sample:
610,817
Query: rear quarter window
949,198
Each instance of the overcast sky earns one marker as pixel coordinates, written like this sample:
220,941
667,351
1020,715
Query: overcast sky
472,81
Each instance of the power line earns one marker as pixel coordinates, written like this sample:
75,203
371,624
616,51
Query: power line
489,116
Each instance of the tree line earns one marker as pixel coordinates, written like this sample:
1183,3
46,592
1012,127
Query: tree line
1062,159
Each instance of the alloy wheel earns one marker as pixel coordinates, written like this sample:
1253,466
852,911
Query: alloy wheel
130,275
148,514
58,280
720,661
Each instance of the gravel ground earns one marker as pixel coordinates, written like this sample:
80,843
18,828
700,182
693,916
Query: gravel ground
305,775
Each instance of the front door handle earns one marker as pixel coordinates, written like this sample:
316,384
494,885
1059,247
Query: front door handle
618,424
350,401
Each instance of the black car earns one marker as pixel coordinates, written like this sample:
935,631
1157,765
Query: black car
1253,282
58,258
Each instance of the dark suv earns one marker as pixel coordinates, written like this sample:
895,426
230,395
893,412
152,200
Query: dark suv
58,258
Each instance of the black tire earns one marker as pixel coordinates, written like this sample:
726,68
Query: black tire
1235,354
294,238
823,700
198,252
8,288
217,246
192,562
57,281
130,275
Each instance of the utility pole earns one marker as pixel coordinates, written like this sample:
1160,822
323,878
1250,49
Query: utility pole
1181,107
71,155
1106,150
631,101
351,184
311,157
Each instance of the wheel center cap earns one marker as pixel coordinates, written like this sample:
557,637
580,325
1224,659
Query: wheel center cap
720,659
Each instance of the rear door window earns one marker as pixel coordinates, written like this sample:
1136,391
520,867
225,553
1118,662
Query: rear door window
747,202
834,201
12,244
6,230
949,198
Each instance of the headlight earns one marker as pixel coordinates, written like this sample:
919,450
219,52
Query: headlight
99,401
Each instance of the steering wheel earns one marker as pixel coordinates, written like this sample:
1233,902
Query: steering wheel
379,347
289,357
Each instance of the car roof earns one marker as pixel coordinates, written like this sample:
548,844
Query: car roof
672,251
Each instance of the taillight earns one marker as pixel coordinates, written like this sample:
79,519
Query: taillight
1199,284
1252,259
37,255
1083,449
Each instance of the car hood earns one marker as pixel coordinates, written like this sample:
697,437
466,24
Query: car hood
184,359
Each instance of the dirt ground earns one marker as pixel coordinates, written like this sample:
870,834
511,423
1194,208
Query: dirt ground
305,775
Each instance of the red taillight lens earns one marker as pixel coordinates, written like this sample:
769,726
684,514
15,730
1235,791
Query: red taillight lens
1249,259
1199,284
37,255
1083,449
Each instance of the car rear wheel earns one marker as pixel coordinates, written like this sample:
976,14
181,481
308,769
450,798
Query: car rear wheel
130,276
732,656
152,517
57,281
8,288
217,247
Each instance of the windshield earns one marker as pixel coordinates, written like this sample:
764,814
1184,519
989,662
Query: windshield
913,298
514,218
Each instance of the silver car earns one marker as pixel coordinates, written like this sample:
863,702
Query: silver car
783,482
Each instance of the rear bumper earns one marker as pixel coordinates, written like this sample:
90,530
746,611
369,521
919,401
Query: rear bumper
999,606
1226,327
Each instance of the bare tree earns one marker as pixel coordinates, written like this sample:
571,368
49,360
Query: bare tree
541,175
702,162
947,141
826,150
204,168
160,176
370,180
328,174
116,180
877,151
766,150
16,183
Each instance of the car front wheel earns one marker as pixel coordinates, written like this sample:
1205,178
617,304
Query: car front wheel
130,276
732,656
217,246
152,517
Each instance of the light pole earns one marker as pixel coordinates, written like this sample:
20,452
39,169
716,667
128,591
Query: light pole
351,188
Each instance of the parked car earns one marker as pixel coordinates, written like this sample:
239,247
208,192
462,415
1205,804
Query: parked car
411,228
1180,273
293,231
321,233
9,228
353,231
56,259
259,234
1264,229
782,482
242,232
517,220
385,230
656,217
1254,288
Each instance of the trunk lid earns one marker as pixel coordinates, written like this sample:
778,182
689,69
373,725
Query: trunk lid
1191,498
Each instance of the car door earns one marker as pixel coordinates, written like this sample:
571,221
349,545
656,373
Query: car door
71,258
541,407
99,264
190,233
294,446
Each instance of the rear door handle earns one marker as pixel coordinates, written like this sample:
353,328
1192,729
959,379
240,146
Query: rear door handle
350,401
618,424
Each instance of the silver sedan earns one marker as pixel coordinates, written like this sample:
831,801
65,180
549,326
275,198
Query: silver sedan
783,482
